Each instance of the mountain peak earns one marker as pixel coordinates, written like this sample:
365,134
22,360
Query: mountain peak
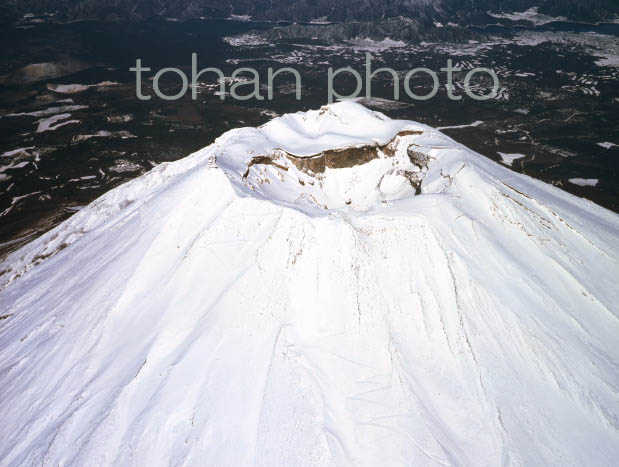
342,155
209,313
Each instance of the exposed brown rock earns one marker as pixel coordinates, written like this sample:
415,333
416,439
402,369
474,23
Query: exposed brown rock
335,158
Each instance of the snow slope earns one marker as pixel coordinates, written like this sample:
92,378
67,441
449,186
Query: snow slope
257,304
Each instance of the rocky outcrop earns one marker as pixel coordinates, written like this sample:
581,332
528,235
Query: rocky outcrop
339,158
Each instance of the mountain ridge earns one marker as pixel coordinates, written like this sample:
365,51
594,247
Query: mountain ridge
238,307
281,10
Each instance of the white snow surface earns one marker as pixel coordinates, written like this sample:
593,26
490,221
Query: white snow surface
584,181
78,88
51,123
457,127
508,159
532,15
370,45
196,316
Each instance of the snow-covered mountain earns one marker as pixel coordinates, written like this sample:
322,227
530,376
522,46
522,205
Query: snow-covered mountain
333,288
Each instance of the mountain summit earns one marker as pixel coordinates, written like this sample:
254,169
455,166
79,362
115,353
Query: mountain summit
332,288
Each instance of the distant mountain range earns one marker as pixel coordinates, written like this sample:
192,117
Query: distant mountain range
303,10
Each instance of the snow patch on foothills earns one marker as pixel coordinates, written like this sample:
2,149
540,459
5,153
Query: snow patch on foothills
19,158
18,152
78,88
457,127
508,159
322,21
246,40
103,134
531,15
584,181
51,123
120,118
49,111
371,45
241,18
124,165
